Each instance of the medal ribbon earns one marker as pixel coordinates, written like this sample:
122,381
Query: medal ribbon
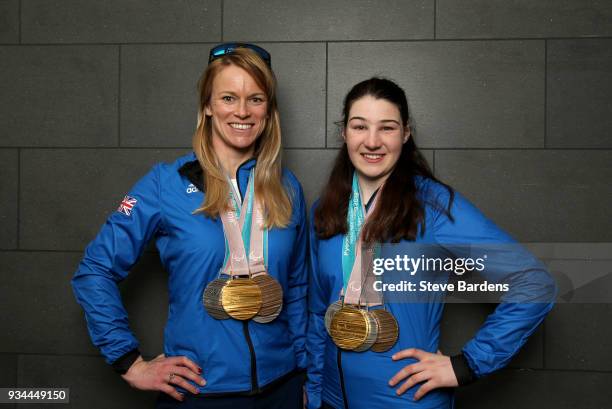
244,233
358,287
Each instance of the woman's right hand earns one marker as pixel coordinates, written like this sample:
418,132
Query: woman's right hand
162,374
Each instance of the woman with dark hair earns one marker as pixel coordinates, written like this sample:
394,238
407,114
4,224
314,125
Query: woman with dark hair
368,353
230,226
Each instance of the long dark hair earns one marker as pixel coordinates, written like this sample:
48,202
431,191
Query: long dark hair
399,212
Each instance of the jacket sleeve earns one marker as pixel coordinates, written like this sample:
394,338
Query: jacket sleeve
295,299
107,261
317,334
531,289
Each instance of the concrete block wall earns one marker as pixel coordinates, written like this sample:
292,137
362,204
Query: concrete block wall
510,101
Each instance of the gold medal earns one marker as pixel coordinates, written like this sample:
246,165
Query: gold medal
271,297
329,314
241,298
388,330
371,335
353,329
212,299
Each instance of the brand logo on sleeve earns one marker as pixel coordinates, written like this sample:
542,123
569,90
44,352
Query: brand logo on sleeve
191,188
127,205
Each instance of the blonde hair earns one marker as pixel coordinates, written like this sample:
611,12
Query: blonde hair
268,174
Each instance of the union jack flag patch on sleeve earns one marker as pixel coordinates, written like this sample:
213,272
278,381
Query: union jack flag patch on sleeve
127,205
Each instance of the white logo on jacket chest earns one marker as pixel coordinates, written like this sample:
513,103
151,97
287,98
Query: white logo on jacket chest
191,188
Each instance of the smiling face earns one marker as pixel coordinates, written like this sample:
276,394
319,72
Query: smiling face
238,109
374,135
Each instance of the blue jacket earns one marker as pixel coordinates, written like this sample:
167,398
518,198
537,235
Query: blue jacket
235,356
364,376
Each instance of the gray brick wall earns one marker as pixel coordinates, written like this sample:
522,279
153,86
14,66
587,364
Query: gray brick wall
510,99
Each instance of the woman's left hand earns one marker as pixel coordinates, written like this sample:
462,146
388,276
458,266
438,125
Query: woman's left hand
433,370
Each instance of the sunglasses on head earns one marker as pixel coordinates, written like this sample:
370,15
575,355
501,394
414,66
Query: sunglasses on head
228,48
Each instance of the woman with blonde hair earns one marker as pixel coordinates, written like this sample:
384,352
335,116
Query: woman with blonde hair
231,231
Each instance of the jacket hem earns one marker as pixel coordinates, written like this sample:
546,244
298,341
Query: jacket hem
263,389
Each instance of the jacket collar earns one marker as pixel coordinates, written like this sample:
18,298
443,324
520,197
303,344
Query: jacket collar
194,173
